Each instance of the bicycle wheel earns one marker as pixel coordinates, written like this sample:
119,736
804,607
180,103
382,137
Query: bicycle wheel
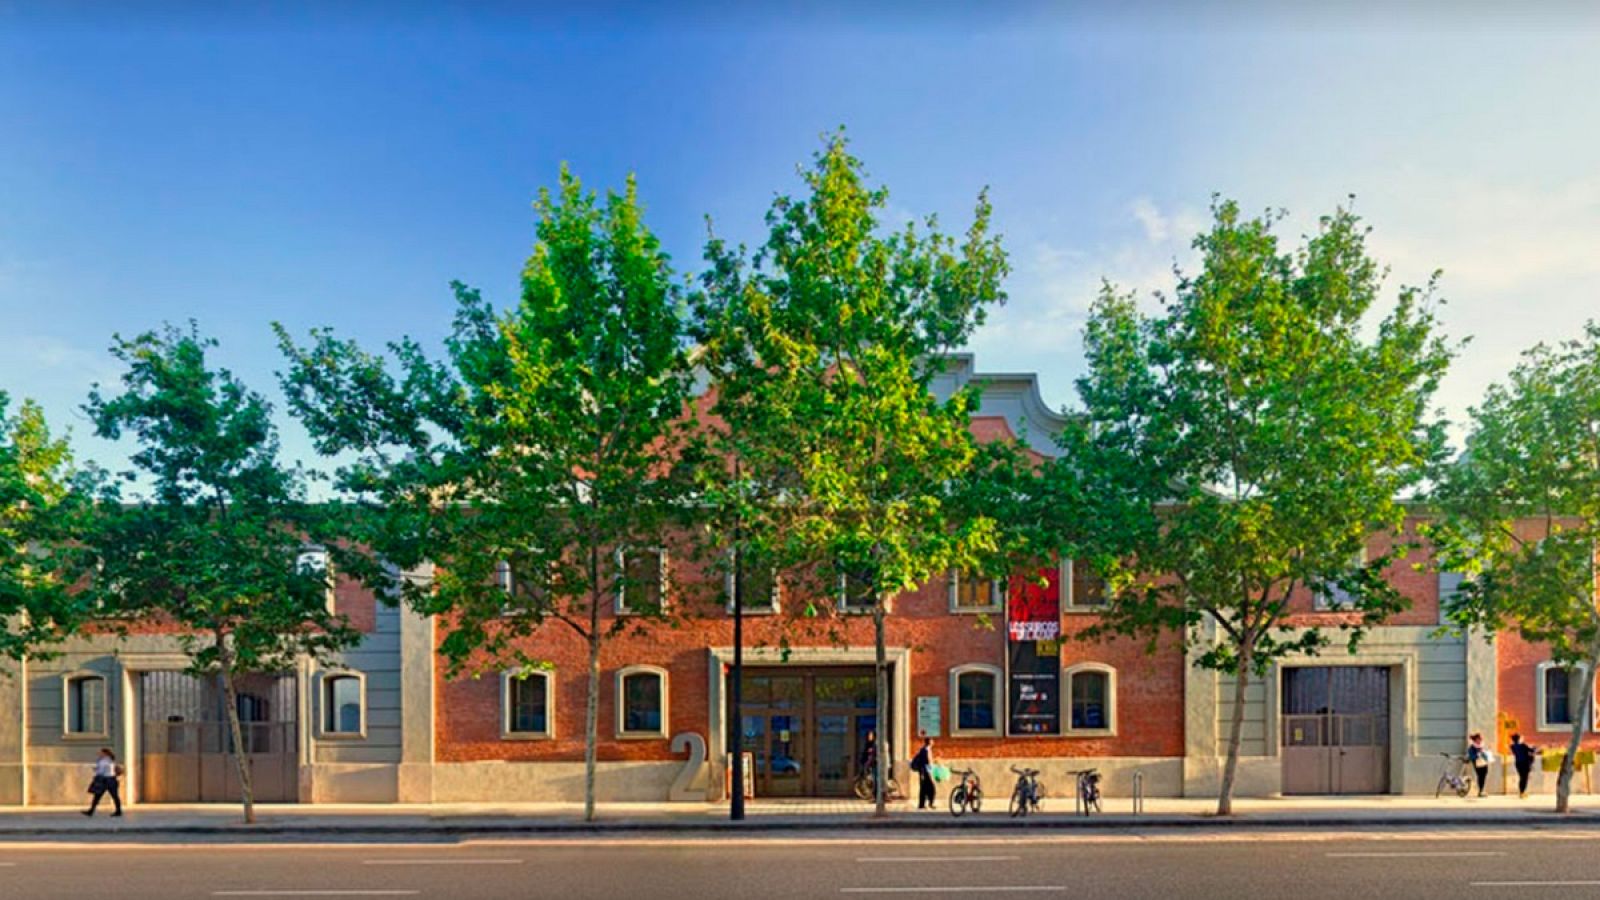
863,787
975,800
1019,803
958,801
891,789
1444,782
1463,788
1096,801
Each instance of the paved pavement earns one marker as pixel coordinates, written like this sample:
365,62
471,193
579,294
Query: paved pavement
339,821
1544,863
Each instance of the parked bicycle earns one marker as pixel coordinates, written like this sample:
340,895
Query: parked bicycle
1088,790
865,782
967,794
1026,795
1455,777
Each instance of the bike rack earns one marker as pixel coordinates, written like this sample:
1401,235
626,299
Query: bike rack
1138,792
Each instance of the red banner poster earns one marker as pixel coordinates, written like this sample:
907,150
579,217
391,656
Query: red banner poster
1033,655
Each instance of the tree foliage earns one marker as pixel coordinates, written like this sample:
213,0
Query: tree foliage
1242,443
209,530
1519,514
553,436
825,343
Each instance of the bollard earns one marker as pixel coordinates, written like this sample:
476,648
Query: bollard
1138,793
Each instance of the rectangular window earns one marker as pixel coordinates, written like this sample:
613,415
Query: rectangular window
975,593
86,705
642,703
1088,589
976,694
855,591
1091,693
1557,696
341,705
529,712
757,588
1335,597
643,576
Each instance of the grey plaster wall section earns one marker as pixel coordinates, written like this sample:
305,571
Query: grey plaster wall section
13,733
1015,396
416,708
378,658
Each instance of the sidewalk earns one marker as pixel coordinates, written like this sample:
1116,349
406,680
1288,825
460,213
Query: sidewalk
336,821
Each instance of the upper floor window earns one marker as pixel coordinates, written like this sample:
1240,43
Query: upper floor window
1091,691
1334,597
758,585
85,713
971,593
314,561
1085,588
855,591
642,702
344,705
642,588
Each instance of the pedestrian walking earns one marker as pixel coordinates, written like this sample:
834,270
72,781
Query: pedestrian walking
867,759
107,771
922,764
1480,757
1523,755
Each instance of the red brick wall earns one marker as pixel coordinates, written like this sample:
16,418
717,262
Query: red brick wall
1518,695
1412,573
1149,692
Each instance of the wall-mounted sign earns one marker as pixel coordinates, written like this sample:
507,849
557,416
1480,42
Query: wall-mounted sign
1033,656
928,717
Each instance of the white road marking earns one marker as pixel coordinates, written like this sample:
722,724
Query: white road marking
934,859
442,862
1535,883
332,893
1416,854
958,889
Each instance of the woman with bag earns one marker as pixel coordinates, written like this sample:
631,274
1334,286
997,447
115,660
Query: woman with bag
1480,757
922,764
106,773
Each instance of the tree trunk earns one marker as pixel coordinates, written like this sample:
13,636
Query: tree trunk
591,714
1230,769
1580,724
885,747
240,757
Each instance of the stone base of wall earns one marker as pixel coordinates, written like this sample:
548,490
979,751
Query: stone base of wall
1163,777
350,783
12,784
552,782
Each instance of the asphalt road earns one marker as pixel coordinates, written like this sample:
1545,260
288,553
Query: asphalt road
1546,864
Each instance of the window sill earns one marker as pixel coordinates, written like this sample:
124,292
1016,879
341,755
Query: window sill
85,736
641,736
1082,610
975,610
1090,733
975,733
756,611
341,735
526,736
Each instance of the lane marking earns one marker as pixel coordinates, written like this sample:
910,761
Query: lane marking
1415,854
328,893
442,862
958,889
935,859
1535,883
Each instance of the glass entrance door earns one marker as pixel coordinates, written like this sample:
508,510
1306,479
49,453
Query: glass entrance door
806,728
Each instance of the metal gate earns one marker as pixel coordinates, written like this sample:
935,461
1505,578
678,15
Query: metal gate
186,747
1335,734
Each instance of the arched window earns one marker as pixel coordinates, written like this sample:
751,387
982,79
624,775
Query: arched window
84,712
527,705
344,705
976,706
642,702
1091,691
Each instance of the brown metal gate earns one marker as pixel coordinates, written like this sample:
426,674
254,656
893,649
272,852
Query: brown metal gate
186,747
1335,730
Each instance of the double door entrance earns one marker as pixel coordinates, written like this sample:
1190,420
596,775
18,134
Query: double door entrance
806,728
1335,730
186,748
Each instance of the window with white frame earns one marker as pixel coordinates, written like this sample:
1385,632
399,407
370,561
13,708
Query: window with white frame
313,561
758,586
525,582
971,593
344,704
502,576
976,689
1091,696
642,587
642,702
855,591
1086,590
1334,597
84,713
527,707
1559,688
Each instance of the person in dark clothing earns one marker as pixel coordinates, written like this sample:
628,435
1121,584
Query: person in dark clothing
106,773
1523,755
922,764
1480,757
867,759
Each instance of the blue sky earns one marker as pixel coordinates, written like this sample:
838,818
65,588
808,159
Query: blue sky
340,167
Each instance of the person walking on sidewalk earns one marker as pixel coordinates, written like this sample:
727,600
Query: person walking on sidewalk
922,764
1480,757
1522,755
106,773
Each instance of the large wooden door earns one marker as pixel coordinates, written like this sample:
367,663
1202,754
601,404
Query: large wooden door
1335,730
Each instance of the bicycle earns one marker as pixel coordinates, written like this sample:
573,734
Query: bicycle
1454,777
967,794
1026,795
864,784
1088,790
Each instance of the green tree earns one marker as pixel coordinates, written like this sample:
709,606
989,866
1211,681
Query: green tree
1242,444
41,507
215,540
550,440
825,346
1519,515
